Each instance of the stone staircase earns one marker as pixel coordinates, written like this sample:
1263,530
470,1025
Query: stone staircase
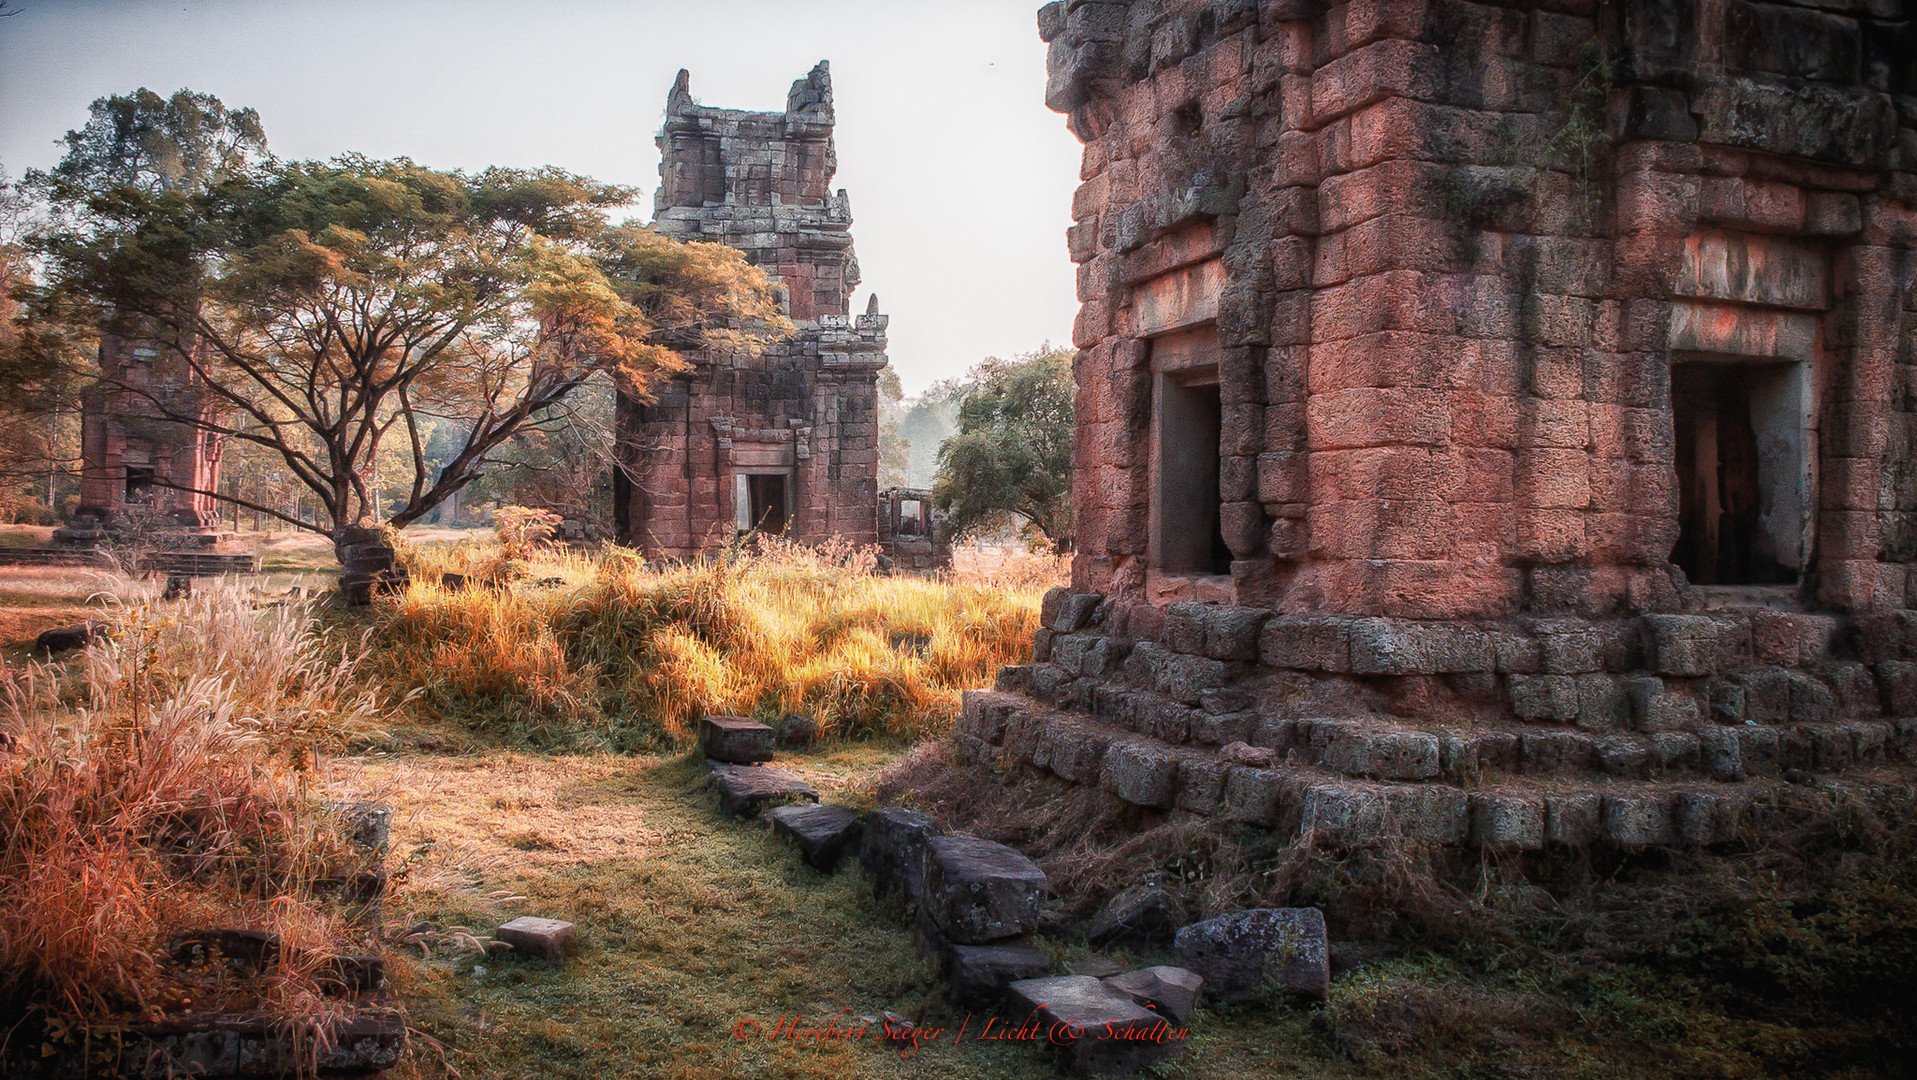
1664,729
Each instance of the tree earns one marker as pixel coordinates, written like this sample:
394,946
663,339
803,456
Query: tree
152,144
1012,457
329,307
34,431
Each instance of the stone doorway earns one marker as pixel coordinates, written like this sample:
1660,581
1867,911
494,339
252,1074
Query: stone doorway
1741,469
761,502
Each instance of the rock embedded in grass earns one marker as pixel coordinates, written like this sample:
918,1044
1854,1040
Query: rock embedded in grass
1243,955
796,732
745,790
821,833
540,939
1096,1029
735,740
62,638
893,850
978,891
1173,991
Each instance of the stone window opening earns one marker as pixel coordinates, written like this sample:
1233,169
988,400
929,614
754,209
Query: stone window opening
1742,458
761,502
139,483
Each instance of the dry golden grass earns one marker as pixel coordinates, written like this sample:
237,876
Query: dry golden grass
163,781
633,655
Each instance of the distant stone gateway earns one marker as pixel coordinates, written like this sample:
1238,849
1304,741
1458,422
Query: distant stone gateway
1499,414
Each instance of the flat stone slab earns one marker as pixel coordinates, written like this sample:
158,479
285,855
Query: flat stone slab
1173,991
1096,1029
821,833
735,739
1242,954
366,1042
744,790
893,850
978,891
977,975
541,939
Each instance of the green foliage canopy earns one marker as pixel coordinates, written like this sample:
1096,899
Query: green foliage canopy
1012,457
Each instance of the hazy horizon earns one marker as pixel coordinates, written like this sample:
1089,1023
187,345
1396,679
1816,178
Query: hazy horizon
960,179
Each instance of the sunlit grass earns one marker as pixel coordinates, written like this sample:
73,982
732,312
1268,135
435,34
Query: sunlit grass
633,655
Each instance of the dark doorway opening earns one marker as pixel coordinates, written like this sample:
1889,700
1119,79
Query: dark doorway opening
767,498
139,483
1190,539
1727,489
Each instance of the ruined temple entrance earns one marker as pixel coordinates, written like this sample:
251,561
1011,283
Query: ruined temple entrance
1741,454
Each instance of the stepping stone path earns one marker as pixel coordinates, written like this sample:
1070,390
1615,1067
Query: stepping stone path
977,906
1173,991
744,790
1236,954
735,740
1096,1028
540,939
894,850
821,833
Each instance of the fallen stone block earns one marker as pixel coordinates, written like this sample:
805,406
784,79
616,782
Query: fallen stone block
1242,955
541,939
1096,1029
1173,991
892,850
821,833
977,975
978,891
735,740
1142,913
744,790
63,638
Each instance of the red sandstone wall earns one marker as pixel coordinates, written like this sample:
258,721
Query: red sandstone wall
1443,249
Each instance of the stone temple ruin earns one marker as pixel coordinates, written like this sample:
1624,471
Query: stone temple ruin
1495,421
787,441
135,460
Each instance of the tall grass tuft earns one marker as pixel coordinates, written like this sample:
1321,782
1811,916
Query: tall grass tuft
631,655
164,781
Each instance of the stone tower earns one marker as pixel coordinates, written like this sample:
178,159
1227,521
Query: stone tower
139,450
785,441
1497,414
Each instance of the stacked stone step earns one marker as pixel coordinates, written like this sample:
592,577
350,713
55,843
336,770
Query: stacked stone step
1658,729
368,564
736,749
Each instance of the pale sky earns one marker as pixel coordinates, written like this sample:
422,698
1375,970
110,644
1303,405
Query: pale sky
960,179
